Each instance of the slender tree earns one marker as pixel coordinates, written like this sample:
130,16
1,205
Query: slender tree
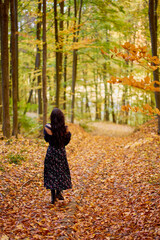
65,65
16,43
0,69
44,79
112,103
0,99
14,68
38,58
87,108
153,5
57,54
74,68
106,102
4,7
61,39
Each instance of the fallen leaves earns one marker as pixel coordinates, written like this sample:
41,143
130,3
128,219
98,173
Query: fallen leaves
115,191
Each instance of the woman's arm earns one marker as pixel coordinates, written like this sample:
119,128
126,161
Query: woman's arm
47,132
67,137
46,137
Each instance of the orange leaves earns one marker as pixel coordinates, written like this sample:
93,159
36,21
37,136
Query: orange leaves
146,109
114,50
115,190
113,80
103,52
144,84
138,54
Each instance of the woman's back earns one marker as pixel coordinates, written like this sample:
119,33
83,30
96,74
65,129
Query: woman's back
50,137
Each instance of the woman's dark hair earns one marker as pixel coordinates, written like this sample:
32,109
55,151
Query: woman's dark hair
58,125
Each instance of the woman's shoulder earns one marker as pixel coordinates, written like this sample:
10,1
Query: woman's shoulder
48,125
48,128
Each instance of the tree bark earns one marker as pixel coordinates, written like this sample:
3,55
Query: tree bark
57,54
112,104
0,96
4,7
74,68
16,43
61,39
0,67
96,102
65,81
44,80
106,103
38,58
153,5
74,76
124,102
87,108
14,69
65,66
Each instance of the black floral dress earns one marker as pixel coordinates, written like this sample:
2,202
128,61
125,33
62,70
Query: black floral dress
56,169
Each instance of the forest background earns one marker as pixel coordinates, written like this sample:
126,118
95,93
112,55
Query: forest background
59,54
97,61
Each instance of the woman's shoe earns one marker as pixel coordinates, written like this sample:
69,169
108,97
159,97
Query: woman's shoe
53,196
59,195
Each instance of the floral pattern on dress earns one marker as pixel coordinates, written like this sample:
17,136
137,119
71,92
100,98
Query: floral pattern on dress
56,170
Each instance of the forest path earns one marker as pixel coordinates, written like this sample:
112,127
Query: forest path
110,129
114,194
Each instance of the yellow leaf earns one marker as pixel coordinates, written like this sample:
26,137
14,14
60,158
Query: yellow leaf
4,237
19,226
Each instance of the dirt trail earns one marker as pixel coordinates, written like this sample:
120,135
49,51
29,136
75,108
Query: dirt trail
110,129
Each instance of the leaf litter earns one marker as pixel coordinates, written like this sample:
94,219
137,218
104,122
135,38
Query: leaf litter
115,192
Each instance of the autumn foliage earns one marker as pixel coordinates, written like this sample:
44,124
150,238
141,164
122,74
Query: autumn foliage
114,195
137,54
141,56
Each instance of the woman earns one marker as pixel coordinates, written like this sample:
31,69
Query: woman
56,170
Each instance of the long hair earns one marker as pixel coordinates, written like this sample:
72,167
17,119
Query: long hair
58,126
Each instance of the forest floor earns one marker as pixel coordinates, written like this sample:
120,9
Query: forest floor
115,192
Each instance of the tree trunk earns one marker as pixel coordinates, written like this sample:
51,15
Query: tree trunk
153,5
14,69
65,65
0,68
87,108
96,102
16,43
38,59
0,96
106,103
4,7
74,76
112,104
65,82
61,39
74,68
57,54
124,102
44,80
